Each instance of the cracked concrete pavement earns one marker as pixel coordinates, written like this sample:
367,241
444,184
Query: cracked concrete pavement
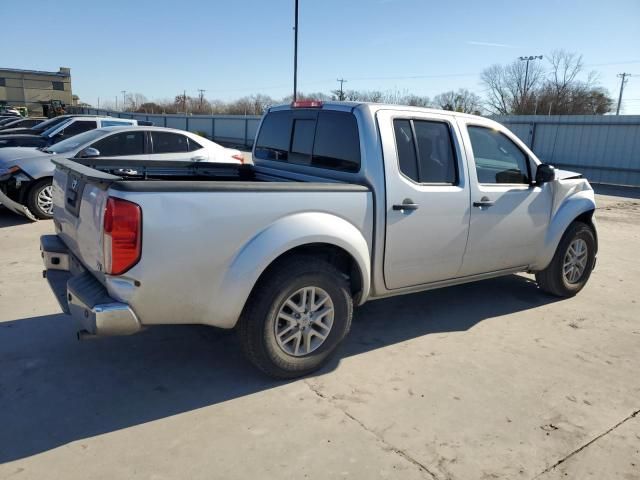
481,381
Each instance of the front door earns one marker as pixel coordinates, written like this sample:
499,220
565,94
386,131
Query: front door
509,215
427,201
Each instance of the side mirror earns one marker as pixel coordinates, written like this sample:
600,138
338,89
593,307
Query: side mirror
545,173
89,152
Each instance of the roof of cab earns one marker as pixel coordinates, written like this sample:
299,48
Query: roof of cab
371,106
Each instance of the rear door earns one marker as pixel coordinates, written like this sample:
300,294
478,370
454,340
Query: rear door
427,201
509,215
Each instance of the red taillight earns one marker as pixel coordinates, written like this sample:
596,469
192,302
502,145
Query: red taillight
238,157
307,104
122,235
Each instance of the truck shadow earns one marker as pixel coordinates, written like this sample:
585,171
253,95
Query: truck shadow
617,191
55,390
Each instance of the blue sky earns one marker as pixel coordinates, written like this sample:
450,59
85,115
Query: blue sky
236,48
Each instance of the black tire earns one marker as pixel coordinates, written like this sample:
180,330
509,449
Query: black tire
33,204
552,279
257,324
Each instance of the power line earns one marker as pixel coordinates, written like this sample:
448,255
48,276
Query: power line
327,81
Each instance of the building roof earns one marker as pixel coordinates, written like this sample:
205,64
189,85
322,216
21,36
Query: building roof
39,72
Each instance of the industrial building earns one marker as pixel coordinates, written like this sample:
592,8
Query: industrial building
35,89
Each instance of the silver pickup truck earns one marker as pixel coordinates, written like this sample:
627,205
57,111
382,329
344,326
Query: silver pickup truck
346,202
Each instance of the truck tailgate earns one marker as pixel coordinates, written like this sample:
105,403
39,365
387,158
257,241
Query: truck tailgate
79,204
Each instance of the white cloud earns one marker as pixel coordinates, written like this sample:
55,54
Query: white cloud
489,44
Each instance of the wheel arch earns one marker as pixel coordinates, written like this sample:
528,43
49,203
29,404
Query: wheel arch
311,233
28,187
579,207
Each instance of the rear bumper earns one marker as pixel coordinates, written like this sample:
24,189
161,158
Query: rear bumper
81,295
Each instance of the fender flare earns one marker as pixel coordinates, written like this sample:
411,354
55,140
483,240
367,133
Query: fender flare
571,208
285,234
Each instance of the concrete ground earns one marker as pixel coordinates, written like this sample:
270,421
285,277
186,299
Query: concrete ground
482,381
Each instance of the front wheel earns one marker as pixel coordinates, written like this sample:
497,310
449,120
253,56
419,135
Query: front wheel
40,199
572,263
296,317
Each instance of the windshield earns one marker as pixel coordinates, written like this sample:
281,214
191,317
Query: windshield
73,143
51,129
49,123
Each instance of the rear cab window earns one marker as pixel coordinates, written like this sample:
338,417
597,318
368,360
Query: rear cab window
317,138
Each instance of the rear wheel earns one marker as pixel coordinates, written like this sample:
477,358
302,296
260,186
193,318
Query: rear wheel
40,200
296,317
572,263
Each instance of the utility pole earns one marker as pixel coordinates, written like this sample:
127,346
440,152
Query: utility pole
124,99
341,80
526,72
623,80
201,96
295,54
184,101
116,103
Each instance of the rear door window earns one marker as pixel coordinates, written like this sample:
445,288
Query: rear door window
167,142
324,138
193,145
425,151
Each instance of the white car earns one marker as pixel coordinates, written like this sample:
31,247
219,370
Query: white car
26,173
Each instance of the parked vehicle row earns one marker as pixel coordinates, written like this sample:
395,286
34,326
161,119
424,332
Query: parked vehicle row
13,122
60,131
26,173
347,202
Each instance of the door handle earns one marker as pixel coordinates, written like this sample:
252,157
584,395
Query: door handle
484,202
198,158
407,204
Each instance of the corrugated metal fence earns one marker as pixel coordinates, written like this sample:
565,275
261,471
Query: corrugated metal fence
606,149
236,130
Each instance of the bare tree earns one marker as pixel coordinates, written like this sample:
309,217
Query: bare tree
133,101
459,101
557,91
507,91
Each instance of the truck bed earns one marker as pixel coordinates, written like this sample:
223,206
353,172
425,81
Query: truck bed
170,176
208,230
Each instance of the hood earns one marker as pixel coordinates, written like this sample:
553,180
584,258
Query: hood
566,174
31,161
568,184
9,155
